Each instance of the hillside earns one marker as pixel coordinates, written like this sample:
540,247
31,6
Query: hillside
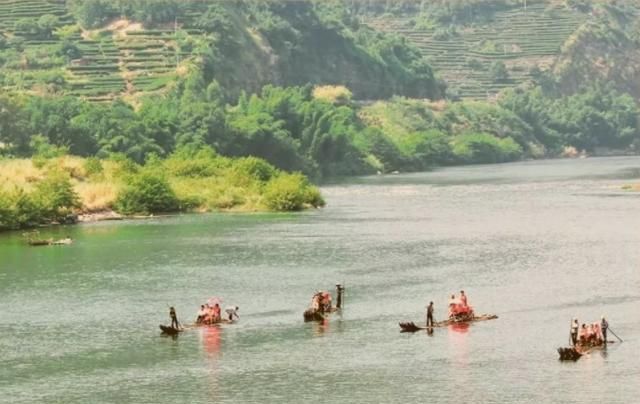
101,50
489,46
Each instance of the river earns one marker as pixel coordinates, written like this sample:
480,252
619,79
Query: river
535,242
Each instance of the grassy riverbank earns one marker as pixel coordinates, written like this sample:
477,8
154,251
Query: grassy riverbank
52,190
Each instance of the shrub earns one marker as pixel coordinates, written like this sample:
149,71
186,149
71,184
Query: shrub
255,168
93,167
18,209
147,193
56,197
290,192
125,166
335,94
313,197
189,162
483,148
44,149
499,72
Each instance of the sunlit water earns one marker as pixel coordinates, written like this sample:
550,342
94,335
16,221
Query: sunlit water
536,243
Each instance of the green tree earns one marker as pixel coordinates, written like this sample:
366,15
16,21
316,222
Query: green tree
56,197
147,193
499,72
47,23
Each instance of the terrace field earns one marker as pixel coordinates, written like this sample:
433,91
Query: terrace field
122,58
520,38
101,50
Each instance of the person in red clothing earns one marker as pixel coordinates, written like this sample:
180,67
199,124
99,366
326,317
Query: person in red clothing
463,298
216,313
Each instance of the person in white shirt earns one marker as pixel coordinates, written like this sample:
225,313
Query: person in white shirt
232,311
574,331
202,313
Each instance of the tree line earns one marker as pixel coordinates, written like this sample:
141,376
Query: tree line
295,129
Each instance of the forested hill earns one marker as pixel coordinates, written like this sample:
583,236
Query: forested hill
149,78
481,47
103,49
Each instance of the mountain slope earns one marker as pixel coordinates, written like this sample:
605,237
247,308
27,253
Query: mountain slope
101,50
483,47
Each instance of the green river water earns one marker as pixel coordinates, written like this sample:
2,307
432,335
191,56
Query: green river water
536,243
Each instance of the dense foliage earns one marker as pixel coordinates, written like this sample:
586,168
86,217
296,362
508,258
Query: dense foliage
53,199
52,190
296,131
243,45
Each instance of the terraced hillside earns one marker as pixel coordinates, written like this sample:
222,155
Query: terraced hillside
521,39
102,50
120,59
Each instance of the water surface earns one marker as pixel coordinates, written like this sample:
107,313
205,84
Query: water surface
536,243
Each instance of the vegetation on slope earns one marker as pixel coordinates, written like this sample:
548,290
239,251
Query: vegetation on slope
46,189
324,135
483,47
101,49
606,48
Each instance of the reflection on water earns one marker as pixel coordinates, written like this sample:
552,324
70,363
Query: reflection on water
531,242
462,328
211,341
211,344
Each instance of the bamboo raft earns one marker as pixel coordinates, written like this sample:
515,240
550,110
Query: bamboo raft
170,330
577,352
40,242
167,330
412,327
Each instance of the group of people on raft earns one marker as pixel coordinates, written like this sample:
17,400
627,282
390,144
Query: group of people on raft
207,315
213,314
321,302
589,334
458,308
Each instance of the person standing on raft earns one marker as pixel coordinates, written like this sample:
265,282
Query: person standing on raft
430,315
174,318
604,324
463,298
574,331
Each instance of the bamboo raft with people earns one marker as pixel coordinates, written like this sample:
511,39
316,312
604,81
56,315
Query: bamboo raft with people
586,339
460,312
321,304
210,314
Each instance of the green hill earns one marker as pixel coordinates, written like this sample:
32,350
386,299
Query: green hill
101,50
481,48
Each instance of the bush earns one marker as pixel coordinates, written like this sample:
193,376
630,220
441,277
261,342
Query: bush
147,193
483,148
56,197
18,210
254,168
340,95
194,163
291,192
499,72
43,149
125,166
93,167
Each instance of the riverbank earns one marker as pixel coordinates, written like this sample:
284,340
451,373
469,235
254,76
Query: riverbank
68,189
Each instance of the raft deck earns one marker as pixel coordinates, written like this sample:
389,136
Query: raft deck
412,327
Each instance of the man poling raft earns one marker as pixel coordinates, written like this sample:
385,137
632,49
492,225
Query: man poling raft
174,328
459,312
585,339
321,304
